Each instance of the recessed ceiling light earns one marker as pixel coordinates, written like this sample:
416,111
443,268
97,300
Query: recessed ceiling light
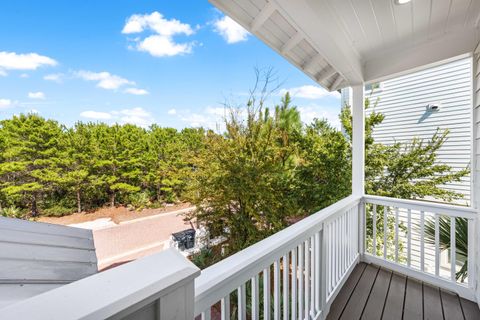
402,1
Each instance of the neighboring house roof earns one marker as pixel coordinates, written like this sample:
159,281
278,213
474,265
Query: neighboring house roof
36,257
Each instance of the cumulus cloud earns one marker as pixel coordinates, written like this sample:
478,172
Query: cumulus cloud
97,115
36,95
309,92
104,79
136,91
172,111
5,103
55,77
24,75
137,116
26,61
3,73
311,112
230,30
161,42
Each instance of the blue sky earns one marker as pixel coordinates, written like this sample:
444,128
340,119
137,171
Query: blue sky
168,62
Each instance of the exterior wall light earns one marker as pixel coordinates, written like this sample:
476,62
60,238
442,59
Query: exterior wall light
401,1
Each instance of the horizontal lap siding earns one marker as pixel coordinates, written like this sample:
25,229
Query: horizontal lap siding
403,101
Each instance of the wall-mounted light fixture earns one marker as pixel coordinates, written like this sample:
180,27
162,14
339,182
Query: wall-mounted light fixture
401,1
433,107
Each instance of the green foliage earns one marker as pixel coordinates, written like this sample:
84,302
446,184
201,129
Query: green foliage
57,211
48,169
11,212
461,240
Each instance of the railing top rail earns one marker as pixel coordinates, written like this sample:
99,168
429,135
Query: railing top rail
223,277
110,292
446,209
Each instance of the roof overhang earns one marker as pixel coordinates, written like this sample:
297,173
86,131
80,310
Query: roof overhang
340,43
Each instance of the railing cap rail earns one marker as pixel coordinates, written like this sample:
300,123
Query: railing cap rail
107,293
440,208
217,280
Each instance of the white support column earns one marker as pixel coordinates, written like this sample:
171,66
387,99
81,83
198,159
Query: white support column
358,141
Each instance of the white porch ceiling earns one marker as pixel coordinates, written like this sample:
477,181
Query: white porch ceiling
344,42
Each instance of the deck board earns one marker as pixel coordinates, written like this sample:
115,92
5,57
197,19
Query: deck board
413,306
432,304
360,295
376,301
452,309
344,295
374,293
470,309
394,303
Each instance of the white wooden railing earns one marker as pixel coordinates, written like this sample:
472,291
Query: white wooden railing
405,246
295,273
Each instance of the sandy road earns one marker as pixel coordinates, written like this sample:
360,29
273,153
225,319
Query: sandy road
133,239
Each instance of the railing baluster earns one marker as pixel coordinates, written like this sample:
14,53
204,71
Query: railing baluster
255,298
206,315
266,293
317,277
225,305
409,237
307,276
294,283
300,280
385,227
324,269
374,226
396,234
276,290
242,302
286,296
312,274
437,245
422,240
453,250
471,262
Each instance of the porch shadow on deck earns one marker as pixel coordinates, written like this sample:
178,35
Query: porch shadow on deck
372,293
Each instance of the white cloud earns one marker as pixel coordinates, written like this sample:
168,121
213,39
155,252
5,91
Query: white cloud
311,112
230,30
56,77
34,111
24,75
161,43
309,92
137,116
27,61
3,73
172,111
161,46
136,91
5,103
96,115
104,79
36,95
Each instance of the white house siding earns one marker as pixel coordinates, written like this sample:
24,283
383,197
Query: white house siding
403,101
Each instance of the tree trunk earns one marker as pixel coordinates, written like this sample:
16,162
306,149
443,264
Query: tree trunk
79,201
34,206
112,199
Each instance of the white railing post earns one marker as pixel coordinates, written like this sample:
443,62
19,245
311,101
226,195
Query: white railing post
358,141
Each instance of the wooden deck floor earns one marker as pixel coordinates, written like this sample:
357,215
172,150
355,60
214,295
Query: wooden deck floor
375,293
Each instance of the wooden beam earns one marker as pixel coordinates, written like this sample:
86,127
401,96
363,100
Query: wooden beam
292,42
262,16
338,80
309,64
326,73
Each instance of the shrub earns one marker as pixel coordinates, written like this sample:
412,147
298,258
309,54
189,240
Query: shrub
12,212
139,200
58,211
